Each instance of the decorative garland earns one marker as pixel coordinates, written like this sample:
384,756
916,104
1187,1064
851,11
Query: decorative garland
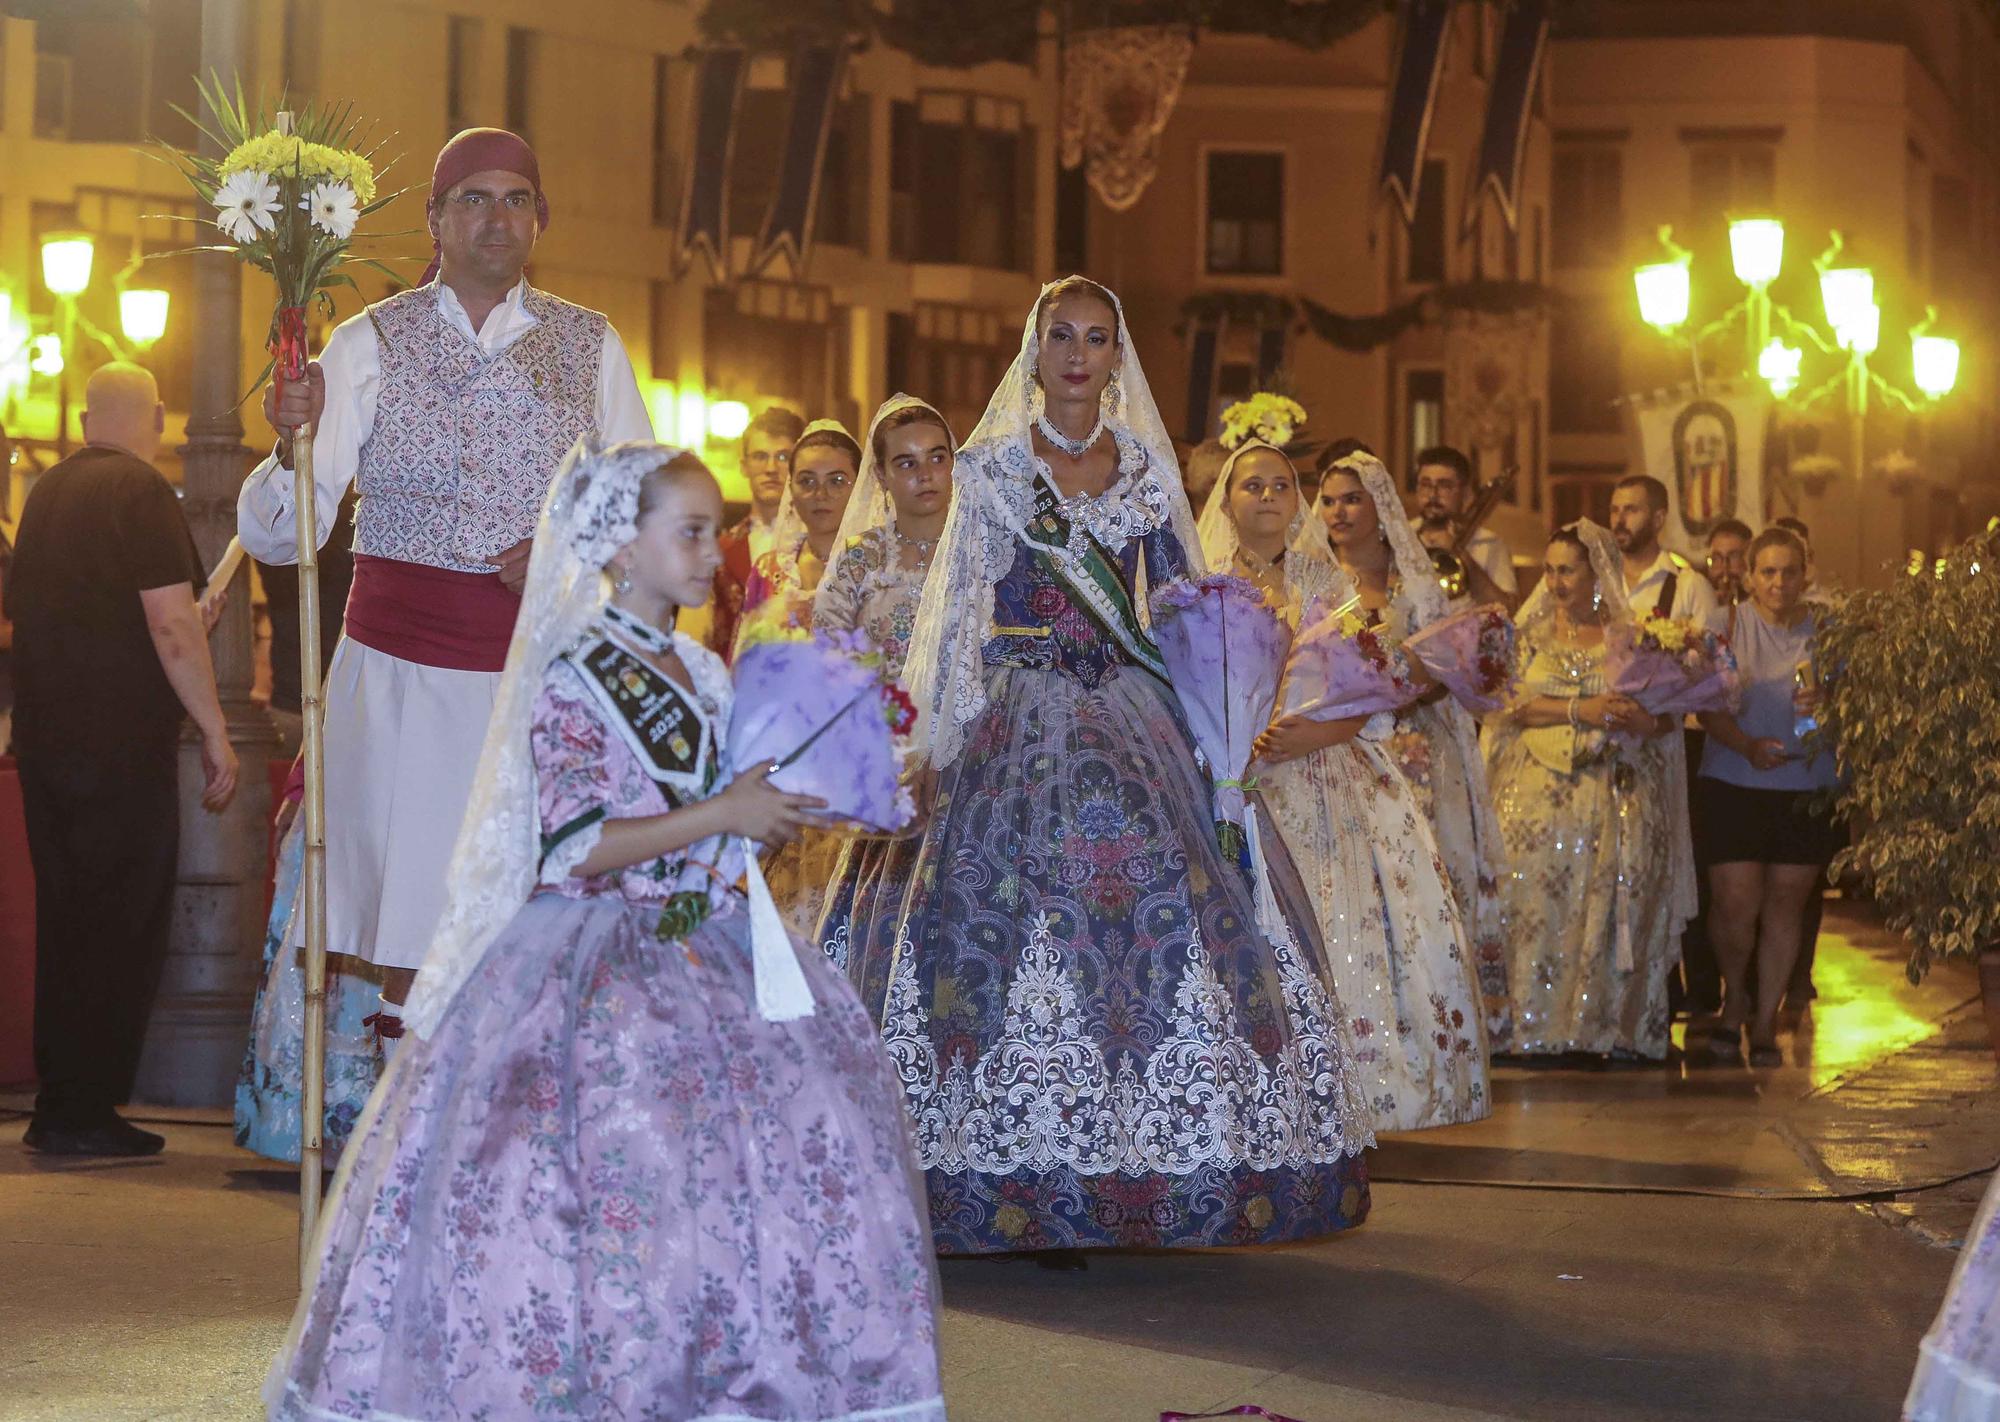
1264,311
955,34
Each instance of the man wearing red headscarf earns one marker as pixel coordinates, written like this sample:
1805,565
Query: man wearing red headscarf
448,407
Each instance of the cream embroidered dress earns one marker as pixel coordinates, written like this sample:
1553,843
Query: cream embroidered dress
1593,825
1396,952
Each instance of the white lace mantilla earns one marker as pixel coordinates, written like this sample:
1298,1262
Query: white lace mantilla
1044,1096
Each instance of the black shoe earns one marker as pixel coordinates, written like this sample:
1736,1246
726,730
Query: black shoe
113,1137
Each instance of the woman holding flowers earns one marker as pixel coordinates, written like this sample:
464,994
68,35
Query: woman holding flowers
1770,833
1600,872
874,587
639,1161
1097,1044
824,465
1396,951
1384,565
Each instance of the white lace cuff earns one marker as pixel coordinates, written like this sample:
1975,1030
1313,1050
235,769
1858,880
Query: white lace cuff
1379,727
569,847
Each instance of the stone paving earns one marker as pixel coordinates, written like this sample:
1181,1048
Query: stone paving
1632,1244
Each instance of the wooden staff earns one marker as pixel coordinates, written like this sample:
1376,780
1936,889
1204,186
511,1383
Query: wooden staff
312,881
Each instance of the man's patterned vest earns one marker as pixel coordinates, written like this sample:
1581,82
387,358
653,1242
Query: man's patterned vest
464,445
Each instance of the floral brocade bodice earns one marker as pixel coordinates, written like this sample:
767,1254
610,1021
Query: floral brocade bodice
587,772
1038,621
868,591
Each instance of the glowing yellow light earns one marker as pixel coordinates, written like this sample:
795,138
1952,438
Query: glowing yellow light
143,315
1849,295
663,408
66,263
691,430
1778,364
1664,294
13,345
1757,249
1934,364
727,419
1864,332
45,355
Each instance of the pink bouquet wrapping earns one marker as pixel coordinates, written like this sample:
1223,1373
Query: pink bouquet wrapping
822,708
1224,647
1471,655
1341,667
1671,667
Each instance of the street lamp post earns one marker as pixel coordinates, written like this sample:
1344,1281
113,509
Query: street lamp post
1757,248
66,263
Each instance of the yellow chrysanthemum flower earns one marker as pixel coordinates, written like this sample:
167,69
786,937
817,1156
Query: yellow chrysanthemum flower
1271,418
282,155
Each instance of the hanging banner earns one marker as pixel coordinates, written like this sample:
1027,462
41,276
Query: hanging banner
1504,140
788,224
1204,364
1419,63
704,229
1119,88
1708,449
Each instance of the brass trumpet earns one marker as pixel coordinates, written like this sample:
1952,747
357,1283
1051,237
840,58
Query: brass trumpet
1450,562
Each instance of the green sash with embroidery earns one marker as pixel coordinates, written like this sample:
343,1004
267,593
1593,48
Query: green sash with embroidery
1091,574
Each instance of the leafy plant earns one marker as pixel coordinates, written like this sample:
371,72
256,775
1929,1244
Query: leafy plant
1913,710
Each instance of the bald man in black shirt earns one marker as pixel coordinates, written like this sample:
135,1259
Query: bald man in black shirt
110,650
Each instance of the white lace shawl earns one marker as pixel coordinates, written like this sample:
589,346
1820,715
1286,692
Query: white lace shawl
870,506
591,512
1422,600
1217,526
994,492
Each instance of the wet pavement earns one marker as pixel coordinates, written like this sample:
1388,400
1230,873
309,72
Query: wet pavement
1613,1244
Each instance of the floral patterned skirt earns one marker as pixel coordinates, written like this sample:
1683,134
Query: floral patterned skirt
1395,944
1453,792
606,1188
270,1087
799,874
1097,1045
1589,901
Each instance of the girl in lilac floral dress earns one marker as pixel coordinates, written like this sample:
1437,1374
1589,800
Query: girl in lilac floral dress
640,1161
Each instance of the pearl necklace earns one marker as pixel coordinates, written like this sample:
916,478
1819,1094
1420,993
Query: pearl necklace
650,638
922,545
1074,448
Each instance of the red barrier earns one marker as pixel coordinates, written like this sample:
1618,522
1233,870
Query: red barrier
17,936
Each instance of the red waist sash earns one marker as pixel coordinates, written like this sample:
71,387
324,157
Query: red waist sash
434,617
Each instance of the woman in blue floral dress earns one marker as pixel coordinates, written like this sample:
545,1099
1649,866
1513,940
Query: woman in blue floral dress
1097,1045
270,1086
643,1158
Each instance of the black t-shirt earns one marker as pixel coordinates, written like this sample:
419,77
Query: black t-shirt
99,528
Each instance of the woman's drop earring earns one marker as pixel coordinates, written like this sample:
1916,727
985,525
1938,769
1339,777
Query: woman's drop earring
621,579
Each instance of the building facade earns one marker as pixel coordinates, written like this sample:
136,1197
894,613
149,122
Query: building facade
1879,121
1267,187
